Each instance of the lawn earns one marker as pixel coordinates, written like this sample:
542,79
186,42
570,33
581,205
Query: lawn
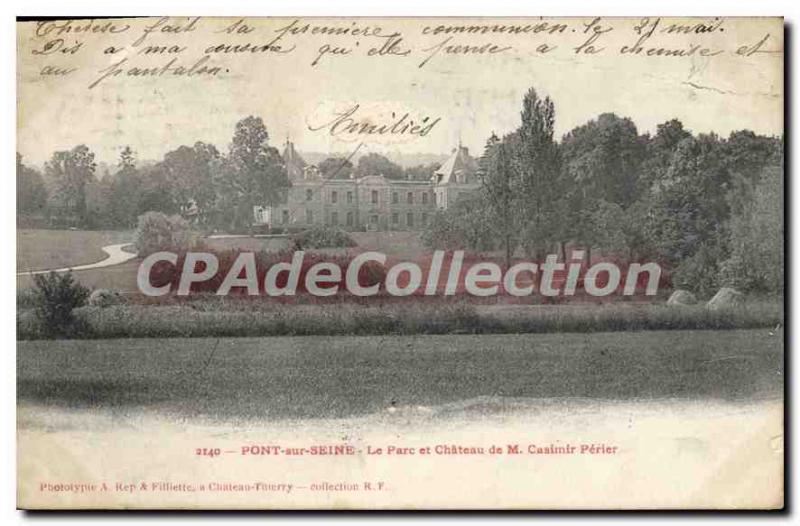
405,246
49,249
311,377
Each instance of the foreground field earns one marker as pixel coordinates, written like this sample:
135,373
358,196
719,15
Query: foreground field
313,377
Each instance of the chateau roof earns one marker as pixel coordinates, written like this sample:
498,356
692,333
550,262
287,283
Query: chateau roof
459,168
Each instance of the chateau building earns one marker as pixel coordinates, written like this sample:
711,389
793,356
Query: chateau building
458,176
371,202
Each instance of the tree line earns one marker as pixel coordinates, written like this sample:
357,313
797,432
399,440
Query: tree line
373,164
199,182
216,190
709,209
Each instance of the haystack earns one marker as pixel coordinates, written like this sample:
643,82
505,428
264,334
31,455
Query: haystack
725,298
681,297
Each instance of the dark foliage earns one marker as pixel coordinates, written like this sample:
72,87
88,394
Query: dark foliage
55,298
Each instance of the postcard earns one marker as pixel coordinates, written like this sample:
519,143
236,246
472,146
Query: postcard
400,263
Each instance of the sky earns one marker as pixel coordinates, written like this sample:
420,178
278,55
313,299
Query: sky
472,94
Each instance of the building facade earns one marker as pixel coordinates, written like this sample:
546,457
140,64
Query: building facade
371,202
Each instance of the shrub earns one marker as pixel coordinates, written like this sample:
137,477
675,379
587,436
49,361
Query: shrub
26,298
699,273
57,295
465,225
156,232
323,237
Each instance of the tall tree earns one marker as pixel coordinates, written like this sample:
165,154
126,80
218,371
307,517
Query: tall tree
71,171
126,191
499,179
255,173
537,160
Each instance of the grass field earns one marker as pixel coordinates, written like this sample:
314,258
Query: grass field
47,249
311,377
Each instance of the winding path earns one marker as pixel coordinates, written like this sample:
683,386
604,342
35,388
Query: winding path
115,256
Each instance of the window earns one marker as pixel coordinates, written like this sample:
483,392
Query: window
395,198
424,198
395,218
349,217
424,218
410,198
410,220
334,197
309,194
335,218
310,217
285,217
374,197
349,198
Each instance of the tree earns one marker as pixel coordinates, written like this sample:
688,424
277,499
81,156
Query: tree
537,162
605,156
31,191
157,191
498,185
689,201
98,203
71,171
126,191
659,151
745,155
756,261
376,164
254,174
191,173
422,172
602,164
467,224
336,168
